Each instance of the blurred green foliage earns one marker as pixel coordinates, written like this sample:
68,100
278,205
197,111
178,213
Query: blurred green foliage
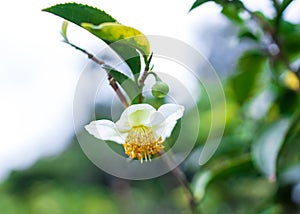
256,167
254,170
70,183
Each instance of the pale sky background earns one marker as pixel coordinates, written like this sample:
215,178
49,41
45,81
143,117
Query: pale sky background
38,73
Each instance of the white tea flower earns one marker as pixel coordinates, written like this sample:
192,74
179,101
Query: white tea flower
141,129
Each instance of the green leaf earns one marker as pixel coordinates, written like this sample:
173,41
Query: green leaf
117,75
231,11
78,13
289,153
130,55
125,41
245,33
113,32
197,3
292,45
267,146
290,37
220,170
250,65
125,82
201,183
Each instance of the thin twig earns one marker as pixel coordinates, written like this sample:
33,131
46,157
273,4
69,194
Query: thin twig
273,32
276,5
180,176
144,75
112,81
142,78
141,83
114,85
281,8
177,172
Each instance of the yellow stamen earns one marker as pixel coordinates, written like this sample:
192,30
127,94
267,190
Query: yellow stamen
141,143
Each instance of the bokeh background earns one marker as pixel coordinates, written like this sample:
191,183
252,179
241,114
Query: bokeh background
42,167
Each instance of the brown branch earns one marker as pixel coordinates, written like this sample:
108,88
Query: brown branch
141,83
115,86
180,176
143,78
112,81
273,32
177,172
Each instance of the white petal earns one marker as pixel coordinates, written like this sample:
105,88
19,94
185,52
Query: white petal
171,112
164,130
105,130
157,118
164,121
135,115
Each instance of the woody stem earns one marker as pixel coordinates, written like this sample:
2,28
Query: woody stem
180,176
112,81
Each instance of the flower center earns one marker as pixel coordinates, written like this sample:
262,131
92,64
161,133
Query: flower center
141,143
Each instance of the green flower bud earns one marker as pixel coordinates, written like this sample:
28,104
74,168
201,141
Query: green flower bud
160,89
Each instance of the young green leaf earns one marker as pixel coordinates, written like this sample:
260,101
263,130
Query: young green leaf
78,14
267,146
64,30
113,32
125,41
130,55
